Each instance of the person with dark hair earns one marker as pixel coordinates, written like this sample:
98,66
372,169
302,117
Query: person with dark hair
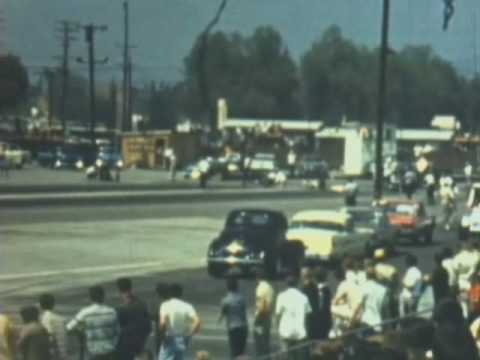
234,309
291,310
310,289
134,320
324,303
452,339
99,322
56,327
179,321
441,288
34,341
264,298
411,286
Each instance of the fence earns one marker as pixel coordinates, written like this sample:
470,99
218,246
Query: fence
306,350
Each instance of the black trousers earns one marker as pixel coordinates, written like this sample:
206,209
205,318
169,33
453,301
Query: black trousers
237,339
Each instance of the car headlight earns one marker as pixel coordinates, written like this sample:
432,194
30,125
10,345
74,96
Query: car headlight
99,162
465,221
261,254
120,163
79,164
58,163
195,174
232,167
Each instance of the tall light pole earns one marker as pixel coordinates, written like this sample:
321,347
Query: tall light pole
381,101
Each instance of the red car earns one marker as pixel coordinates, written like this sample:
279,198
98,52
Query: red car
410,219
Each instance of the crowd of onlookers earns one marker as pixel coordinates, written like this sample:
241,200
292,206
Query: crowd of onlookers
370,296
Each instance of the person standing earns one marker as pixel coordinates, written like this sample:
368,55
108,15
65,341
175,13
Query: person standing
411,286
310,289
291,311
264,296
468,170
134,320
173,166
430,188
99,323
449,265
204,169
233,308
351,192
374,301
291,161
56,327
180,322
7,338
465,263
34,341
324,304
163,294
440,285
448,198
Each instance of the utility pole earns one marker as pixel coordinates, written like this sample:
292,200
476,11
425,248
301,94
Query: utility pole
126,120
49,75
67,29
90,39
381,101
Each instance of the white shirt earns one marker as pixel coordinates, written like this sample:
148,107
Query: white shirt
292,308
464,264
475,330
411,280
373,300
56,327
179,315
449,265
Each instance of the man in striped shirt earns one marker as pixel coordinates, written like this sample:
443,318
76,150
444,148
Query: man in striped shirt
100,325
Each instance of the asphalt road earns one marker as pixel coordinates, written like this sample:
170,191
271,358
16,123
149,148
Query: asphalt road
66,249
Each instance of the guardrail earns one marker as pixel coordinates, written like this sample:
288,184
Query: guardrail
303,350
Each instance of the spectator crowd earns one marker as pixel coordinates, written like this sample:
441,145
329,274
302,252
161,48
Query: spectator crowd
370,296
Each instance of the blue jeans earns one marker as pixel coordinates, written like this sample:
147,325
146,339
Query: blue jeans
173,348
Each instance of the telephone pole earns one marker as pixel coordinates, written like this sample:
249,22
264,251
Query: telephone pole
127,69
381,100
90,39
67,30
49,75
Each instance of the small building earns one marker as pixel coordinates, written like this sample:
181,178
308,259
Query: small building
410,139
147,149
350,149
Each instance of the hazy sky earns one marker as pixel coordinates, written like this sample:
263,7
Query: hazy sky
164,30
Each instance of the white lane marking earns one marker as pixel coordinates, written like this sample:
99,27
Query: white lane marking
86,270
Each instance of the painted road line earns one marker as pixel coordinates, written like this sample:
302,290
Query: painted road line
92,269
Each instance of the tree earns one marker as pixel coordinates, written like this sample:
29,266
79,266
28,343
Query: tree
14,82
255,74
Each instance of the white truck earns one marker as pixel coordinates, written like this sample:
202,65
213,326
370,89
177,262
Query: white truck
15,156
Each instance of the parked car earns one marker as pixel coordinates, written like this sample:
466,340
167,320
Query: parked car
74,156
410,219
251,238
375,222
108,157
327,235
15,156
470,221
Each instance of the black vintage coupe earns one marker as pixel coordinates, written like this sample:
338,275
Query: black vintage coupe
251,239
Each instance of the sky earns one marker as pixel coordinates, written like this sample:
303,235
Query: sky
163,31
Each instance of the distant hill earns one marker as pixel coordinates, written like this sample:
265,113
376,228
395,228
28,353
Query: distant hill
163,31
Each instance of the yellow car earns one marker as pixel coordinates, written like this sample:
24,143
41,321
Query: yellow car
327,236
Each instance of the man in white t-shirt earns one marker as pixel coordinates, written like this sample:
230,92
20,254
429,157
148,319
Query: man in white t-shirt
411,286
291,311
373,301
179,321
464,265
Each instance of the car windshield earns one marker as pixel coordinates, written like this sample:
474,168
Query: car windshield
256,219
321,225
403,209
362,217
